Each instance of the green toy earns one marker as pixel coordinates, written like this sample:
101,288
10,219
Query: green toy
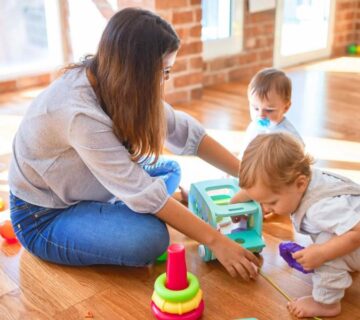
352,48
241,222
162,258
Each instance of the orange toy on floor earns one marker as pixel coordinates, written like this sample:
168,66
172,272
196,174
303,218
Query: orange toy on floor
7,232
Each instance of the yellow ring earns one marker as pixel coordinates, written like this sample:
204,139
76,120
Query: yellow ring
177,307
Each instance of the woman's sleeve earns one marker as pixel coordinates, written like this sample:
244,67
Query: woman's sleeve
110,162
184,133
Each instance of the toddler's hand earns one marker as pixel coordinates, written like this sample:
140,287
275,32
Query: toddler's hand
240,196
310,257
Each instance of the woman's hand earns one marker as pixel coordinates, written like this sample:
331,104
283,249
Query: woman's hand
231,255
235,259
311,257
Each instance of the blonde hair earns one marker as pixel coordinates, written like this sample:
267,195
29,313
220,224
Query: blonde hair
268,79
277,159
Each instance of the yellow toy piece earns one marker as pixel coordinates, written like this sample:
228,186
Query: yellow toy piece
177,307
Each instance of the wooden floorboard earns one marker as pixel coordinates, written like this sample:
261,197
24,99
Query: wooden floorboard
324,109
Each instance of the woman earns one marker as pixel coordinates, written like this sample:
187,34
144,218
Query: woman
84,176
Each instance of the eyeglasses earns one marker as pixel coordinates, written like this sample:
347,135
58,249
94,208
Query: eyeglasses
166,73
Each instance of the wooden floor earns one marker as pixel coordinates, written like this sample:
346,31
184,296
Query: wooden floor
325,108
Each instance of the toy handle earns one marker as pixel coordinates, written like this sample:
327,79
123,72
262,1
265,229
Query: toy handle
237,209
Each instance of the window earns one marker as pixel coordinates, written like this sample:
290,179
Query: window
305,17
26,46
303,31
216,20
222,26
86,31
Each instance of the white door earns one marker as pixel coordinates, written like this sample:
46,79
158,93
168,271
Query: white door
303,31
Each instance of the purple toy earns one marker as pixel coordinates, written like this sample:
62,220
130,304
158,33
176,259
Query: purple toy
286,249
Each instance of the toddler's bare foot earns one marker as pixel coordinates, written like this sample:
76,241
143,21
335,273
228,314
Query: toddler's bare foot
306,307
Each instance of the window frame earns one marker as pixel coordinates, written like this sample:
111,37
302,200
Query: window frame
216,48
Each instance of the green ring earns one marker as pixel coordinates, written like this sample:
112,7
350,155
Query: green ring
177,295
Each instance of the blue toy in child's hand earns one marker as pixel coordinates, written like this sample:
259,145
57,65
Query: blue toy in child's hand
286,249
265,122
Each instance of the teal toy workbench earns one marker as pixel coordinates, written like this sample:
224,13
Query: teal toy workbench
241,222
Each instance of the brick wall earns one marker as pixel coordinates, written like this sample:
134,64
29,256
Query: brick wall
186,81
346,25
191,73
257,53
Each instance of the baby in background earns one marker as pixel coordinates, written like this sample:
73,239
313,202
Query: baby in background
276,172
269,95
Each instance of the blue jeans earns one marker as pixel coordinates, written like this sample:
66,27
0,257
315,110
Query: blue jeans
91,232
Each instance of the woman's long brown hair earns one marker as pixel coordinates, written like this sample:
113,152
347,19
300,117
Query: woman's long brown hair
127,70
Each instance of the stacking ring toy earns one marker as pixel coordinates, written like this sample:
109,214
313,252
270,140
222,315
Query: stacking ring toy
177,294
180,295
177,307
193,315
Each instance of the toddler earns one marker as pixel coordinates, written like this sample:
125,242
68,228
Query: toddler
269,95
276,172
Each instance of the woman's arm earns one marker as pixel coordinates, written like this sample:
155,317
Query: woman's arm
231,255
214,153
186,136
317,254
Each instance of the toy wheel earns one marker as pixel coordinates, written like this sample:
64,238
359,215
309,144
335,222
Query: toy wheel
204,253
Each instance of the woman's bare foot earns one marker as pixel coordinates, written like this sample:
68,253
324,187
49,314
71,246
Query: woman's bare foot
305,307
